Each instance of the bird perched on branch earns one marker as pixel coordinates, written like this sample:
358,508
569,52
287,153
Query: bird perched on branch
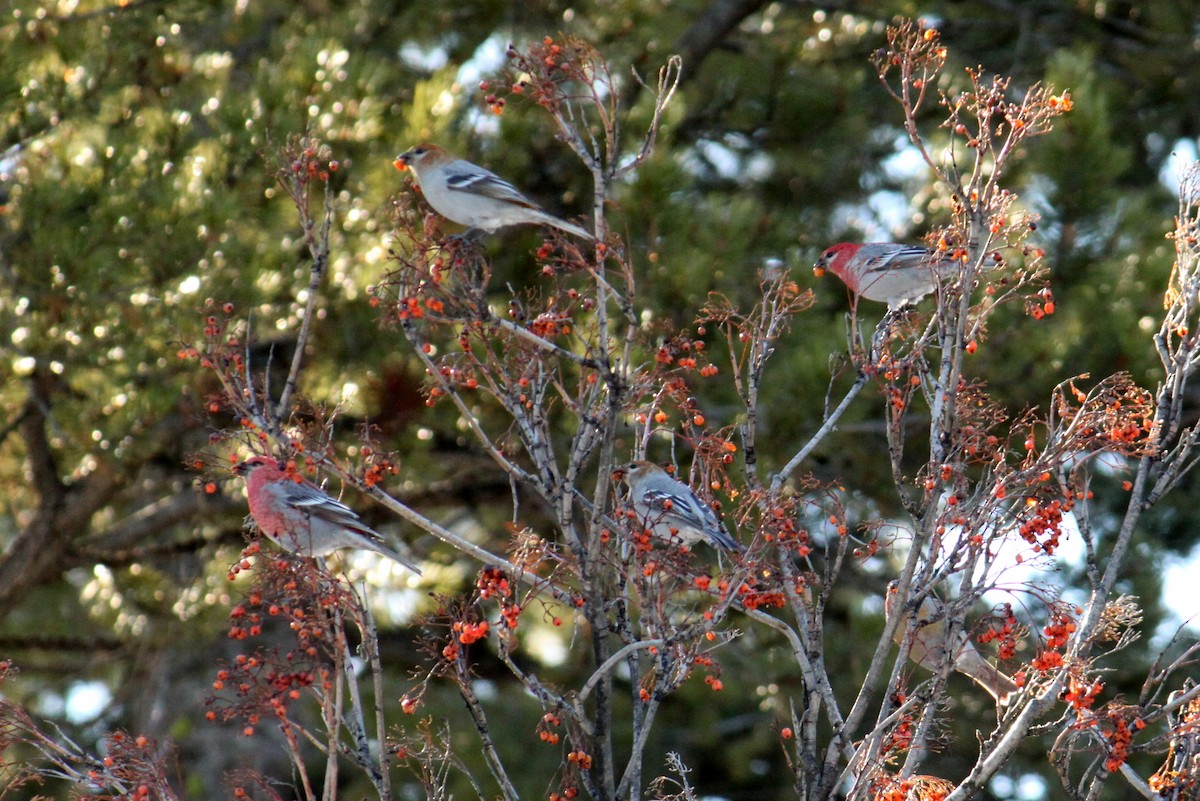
931,647
468,194
671,510
886,272
298,516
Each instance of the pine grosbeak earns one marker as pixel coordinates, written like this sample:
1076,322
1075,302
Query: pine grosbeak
299,517
472,196
929,646
894,274
671,510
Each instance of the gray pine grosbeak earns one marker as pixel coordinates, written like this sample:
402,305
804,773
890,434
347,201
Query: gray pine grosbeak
931,647
468,194
671,510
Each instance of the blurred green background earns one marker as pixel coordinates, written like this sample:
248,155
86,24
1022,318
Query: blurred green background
139,144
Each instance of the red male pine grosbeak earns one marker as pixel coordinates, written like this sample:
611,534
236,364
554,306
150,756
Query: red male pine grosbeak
472,196
894,274
298,516
671,510
929,646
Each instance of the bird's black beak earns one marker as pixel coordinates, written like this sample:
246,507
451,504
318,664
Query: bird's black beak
241,468
401,161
